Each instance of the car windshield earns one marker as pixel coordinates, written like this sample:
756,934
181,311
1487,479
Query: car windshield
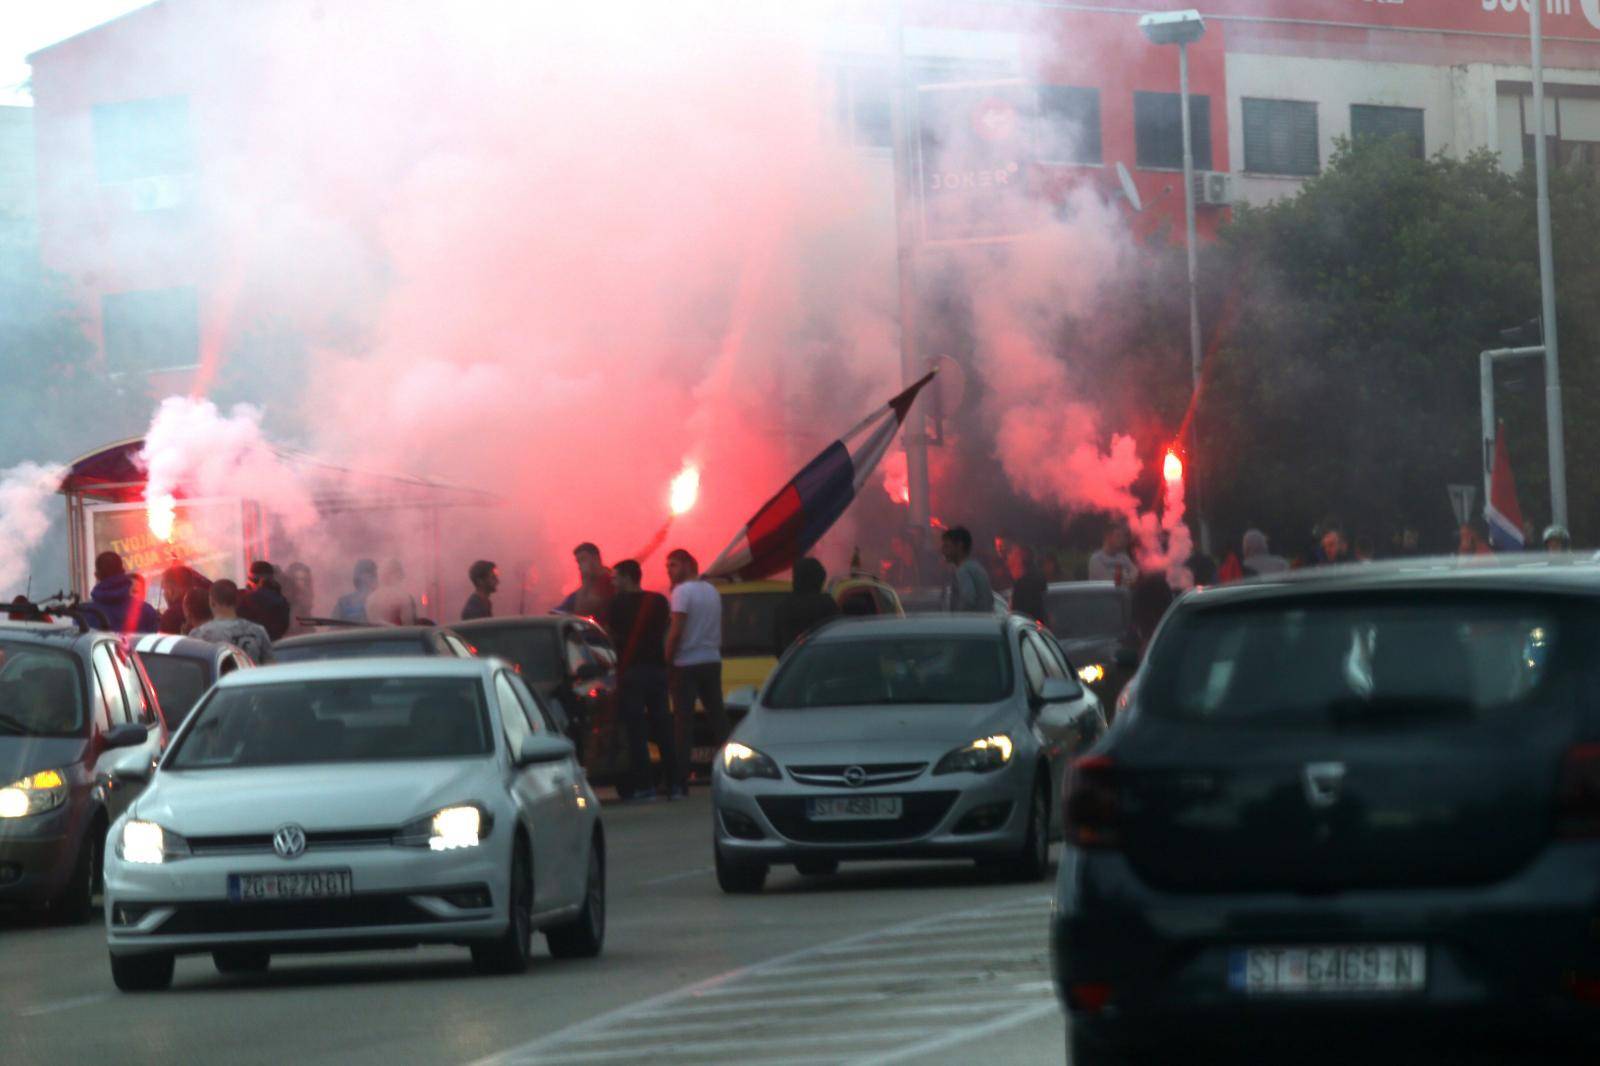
534,649
349,649
748,621
41,691
179,684
1085,615
882,671
1356,663
347,720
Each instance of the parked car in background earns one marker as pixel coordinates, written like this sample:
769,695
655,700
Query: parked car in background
183,669
1093,621
571,664
1349,797
357,803
70,702
363,642
929,737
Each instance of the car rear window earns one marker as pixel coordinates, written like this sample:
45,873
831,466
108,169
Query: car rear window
1356,662
179,684
893,671
1086,615
535,650
349,649
350,720
41,694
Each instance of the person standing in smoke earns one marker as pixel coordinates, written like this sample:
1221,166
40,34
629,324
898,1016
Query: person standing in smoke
302,599
485,580
176,584
1027,583
263,602
694,648
1258,560
196,609
592,598
638,622
969,588
391,604
352,606
114,604
226,627
1333,547
804,608
1112,562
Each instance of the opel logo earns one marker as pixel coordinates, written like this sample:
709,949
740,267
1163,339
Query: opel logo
289,841
855,776
1323,781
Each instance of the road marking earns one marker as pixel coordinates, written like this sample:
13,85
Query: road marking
935,972
62,1004
699,871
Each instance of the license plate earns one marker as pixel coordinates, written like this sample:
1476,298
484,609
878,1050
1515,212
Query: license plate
1332,969
279,888
853,808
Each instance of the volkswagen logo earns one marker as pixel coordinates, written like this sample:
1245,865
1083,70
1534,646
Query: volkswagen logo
289,841
855,776
1323,782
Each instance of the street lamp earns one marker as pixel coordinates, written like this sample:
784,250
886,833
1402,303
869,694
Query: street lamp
1183,28
1547,279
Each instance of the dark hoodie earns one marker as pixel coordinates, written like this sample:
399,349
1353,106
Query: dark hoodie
112,606
267,607
803,609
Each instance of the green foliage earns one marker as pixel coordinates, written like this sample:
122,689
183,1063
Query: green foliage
1347,382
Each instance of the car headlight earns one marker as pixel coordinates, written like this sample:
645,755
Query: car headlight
147,842
740,761
34,794
1091,673
979,757
463,825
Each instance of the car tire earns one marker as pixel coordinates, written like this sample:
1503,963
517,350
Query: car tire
76,901
584,936
739,878
509,952
817,867
241,960
142,973
1032,859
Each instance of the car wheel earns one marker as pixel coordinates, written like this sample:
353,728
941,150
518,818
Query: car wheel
739,878
508,953
241,960
142,973
583,937
1033,857
817,867
76,901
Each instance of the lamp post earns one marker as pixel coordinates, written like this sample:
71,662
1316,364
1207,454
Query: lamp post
1547,280
1182,28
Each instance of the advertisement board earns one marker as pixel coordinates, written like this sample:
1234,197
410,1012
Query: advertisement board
207,535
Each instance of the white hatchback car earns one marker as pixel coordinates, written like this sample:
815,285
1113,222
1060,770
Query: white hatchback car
357,804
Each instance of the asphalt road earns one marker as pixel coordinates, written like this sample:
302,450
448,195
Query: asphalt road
925,963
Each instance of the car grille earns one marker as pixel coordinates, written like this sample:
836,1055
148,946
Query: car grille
356,912
261,843
884,773
920,812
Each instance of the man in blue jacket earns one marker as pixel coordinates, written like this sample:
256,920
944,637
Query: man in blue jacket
115,602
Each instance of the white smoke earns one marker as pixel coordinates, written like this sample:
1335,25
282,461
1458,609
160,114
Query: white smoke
25,494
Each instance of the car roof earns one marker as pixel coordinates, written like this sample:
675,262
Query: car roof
357,634
365,669
52,633
179,647
1085,586
521,621
1530,572
941,624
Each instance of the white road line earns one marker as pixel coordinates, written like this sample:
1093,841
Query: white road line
901,977
699,871
960,1035
905,960
62,1004
703,1048
696,1008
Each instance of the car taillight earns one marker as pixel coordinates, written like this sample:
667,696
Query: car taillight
1091,814
1579,795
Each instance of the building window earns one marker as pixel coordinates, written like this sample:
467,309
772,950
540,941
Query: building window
142,139
156,329
1069,124
1158,130
1369,120
1280,137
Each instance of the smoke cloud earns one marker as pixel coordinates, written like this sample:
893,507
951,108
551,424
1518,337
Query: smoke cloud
27,499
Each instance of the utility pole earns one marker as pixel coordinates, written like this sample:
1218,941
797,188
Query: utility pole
900,117
1547,280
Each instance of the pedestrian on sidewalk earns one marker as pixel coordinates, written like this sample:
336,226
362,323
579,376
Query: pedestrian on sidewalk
694,648
638,623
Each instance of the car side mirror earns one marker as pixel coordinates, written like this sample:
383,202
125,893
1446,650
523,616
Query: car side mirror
126,735
590,672
131,767
544,748
1126,656
1058,690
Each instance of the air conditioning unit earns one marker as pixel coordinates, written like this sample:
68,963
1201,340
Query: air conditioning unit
1213,188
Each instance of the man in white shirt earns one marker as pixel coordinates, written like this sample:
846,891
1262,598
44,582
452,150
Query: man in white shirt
694,648
1112,562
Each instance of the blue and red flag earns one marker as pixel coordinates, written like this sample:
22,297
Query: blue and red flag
1502,513
790,524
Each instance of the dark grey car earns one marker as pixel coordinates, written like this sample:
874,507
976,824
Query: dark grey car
183,669
366,642
1347,798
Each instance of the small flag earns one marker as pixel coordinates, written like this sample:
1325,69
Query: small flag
1502,512
790,524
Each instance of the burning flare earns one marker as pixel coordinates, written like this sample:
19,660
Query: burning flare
1172,467
685,491
160,515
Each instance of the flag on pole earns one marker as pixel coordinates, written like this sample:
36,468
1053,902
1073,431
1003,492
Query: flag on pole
790,524
1502,512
